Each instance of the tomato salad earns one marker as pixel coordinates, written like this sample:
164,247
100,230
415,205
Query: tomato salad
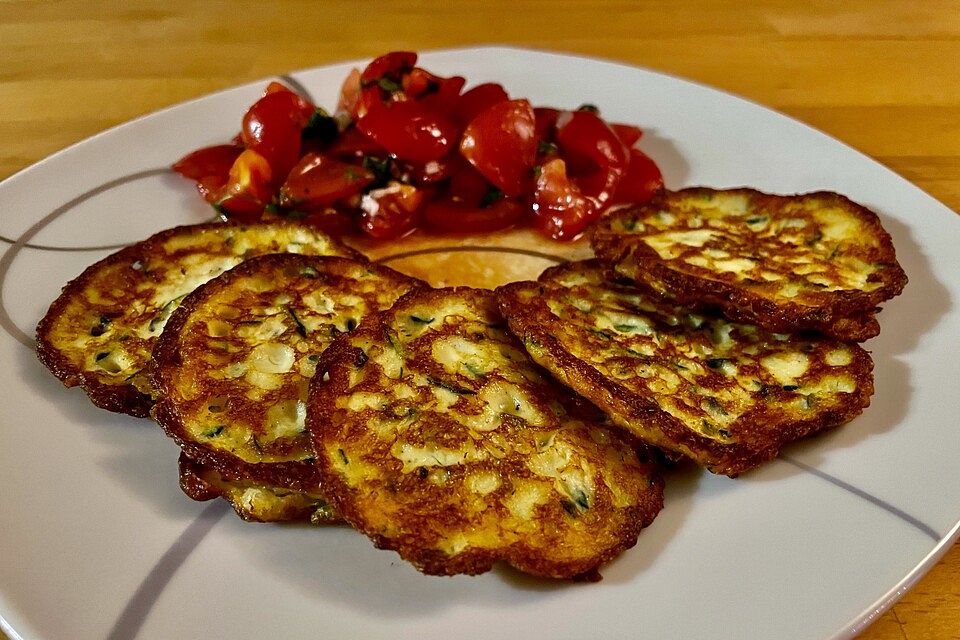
407,149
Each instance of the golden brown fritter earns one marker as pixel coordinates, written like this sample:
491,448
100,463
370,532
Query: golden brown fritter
814,261
99,332
728,395
253,501
438,438
232,367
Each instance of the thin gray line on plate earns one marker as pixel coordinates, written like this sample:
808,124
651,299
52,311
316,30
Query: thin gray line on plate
872,499
297,86
423,252
137,609
8,257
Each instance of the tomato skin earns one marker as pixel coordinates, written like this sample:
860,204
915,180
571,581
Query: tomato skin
305,107
409,131
561,211
319,180
390,65
331,221
501,144
392,211
467,185
247,190
271,127
596,158
546,123
355,144
476,100
450,216
642,181
208,161
629,134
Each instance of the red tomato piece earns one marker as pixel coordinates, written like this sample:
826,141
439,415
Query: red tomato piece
208,161
500,142
444,96
467,185
479,98
353,143
247,190
560,210
409,131
642,181
392,211
306,108
629,134
546,123
271,127
391,65
332,221
455,217
596,158
319,180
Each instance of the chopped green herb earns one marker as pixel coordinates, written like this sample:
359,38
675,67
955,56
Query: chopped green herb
491,196
592,108
388,85
321,127
717,363
460,391
301,329
379,167
101,327
545,148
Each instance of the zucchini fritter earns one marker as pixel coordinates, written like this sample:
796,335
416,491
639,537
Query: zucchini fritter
232,367
99,332
437,437
726,394
253,501
814,261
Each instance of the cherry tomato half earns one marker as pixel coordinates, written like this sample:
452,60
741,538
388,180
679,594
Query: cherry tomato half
642,181
596,158
319,180
478,99
629,135
390,212
247,190
208,161
560,210
409,131
500,142
390,65
271,127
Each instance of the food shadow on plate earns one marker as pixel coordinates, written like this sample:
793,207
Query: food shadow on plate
132,451
334,563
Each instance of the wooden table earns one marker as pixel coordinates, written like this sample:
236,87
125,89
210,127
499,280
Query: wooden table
882,76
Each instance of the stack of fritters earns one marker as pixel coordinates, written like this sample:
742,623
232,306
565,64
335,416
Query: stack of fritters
714,325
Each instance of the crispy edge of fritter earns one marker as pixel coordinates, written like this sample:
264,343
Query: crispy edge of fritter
125,398
202,483
296,475
336,362
845,315
642,416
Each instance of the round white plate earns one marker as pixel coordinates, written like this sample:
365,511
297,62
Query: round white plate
98,541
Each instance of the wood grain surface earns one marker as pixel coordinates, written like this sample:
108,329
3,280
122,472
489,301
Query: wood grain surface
882,76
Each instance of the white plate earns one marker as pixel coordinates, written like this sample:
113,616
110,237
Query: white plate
97,540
